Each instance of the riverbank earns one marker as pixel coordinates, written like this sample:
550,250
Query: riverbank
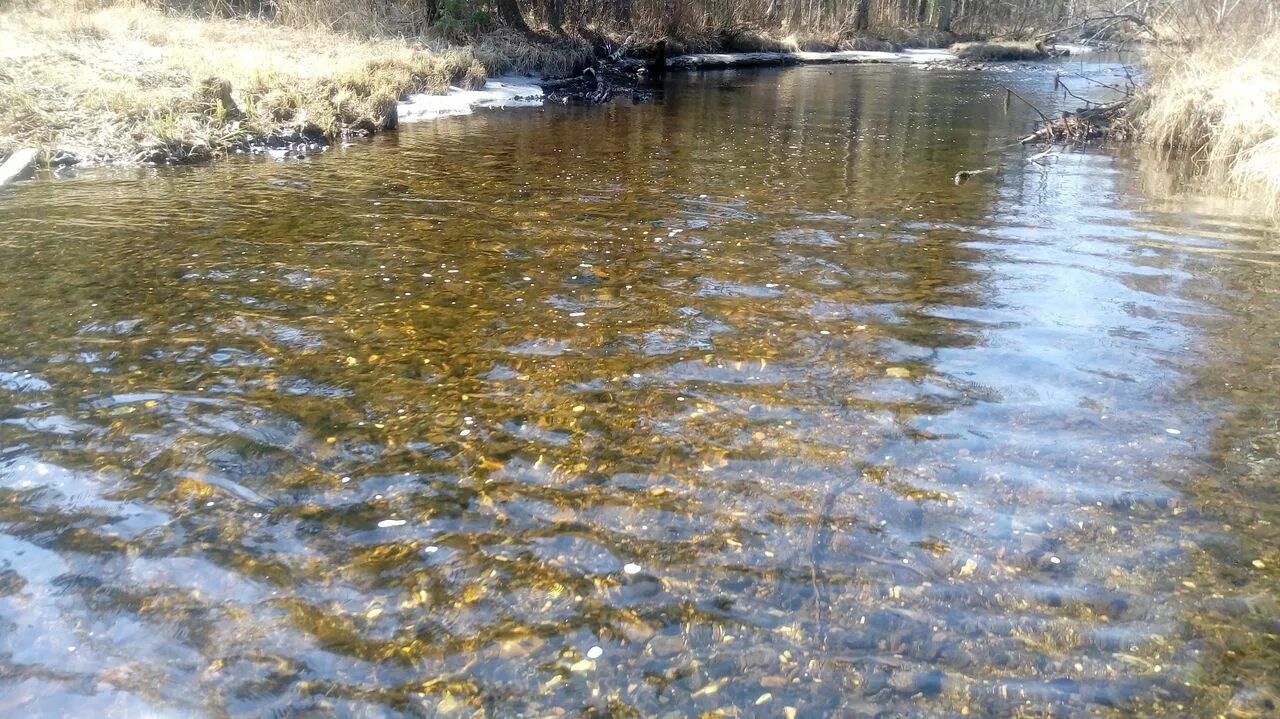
133,84
127,83
1220,103
1216,103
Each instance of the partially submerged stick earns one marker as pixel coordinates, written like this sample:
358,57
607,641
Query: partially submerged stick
1008,93
964,176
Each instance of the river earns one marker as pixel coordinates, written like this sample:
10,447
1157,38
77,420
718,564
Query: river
730,404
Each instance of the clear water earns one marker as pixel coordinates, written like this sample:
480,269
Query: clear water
731,404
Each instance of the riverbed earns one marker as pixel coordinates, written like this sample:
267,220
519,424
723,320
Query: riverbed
732,403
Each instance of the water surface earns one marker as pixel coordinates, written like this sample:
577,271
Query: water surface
730,404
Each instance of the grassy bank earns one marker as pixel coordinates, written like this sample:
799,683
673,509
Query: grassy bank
133,83
1000,50
1219,102
137,81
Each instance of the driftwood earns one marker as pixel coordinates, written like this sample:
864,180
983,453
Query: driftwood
1091,123
596,85
1036,158
733,60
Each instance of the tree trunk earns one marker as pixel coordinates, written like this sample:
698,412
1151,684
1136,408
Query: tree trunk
922,12
862,16
509,13
555,15
671,17
944,15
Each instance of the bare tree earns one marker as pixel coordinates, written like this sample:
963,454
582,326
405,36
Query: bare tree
509,13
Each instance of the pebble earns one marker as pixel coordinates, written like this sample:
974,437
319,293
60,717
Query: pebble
594,653
631,568
666,645
927,683
391,523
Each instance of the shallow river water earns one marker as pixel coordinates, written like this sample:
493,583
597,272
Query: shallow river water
732,404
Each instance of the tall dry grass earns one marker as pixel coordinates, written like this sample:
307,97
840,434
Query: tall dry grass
1219,102
122,80
999,50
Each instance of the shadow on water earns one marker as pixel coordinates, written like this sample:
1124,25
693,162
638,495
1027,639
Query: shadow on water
733,402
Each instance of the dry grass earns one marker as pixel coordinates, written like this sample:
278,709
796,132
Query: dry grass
999,50
1220,103
130,82
506,52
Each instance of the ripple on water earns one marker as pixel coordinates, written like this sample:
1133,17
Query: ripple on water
480,433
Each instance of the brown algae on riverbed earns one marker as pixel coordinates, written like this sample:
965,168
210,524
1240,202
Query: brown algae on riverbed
731,404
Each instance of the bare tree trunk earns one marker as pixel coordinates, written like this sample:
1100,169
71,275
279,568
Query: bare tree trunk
671,17
509,13
944,15
555,14
862,16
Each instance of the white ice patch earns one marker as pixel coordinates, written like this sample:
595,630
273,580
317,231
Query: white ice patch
1074,49
498,92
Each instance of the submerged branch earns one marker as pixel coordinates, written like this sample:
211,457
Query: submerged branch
1010,93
